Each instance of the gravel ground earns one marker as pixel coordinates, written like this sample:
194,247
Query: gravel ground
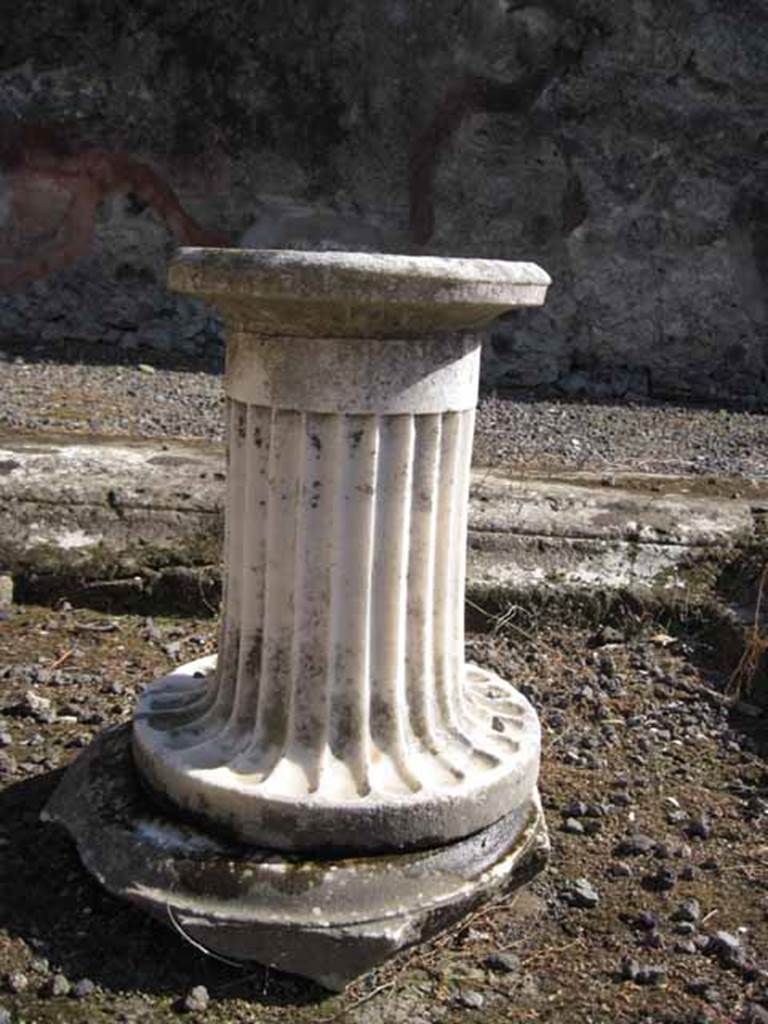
104,391
654,908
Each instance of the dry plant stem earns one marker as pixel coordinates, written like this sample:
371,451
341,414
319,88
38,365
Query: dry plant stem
97,627
61,659
198,945
359,1002
263,972
551,951
741,679
420,958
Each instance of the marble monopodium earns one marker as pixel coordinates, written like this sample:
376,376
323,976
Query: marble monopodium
338,783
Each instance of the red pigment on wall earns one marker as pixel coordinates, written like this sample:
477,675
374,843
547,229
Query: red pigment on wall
54,191
472,94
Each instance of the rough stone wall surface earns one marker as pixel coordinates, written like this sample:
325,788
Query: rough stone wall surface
622,144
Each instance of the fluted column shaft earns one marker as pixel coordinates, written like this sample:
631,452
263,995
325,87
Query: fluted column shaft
343,623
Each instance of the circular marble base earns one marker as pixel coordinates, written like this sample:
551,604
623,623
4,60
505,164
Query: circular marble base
201,766
326,919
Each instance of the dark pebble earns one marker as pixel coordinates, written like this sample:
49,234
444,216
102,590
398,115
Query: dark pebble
606,635
660,881
685,928
84,988
652,940
581,893
646,920
573,827
651,976
575,809
703,990
699,827
502,963
629,969
686,946
17,982
599,810
635,845
606,666
59,986
471,999
726,946
676,817
750,971
619,869
689,911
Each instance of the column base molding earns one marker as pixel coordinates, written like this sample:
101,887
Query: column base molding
493,756
329,920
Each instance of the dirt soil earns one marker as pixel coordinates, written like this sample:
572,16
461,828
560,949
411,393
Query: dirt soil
640,749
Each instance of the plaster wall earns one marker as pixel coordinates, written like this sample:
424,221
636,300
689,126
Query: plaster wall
621,144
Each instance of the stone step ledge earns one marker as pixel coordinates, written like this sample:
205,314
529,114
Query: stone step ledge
135,522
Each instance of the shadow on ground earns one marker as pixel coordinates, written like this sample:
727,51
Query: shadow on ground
71,352
50,902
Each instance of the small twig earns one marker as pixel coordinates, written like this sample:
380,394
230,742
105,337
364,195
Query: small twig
62,658
502,620
756,646
550,950
358,1002
241,981
558,739
472,604
96,627
709,915
198,945
203,598
511,945
422,959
